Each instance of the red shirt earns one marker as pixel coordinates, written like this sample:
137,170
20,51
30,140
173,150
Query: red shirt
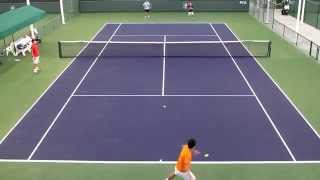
35,50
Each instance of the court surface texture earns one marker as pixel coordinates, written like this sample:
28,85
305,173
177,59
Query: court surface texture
142,109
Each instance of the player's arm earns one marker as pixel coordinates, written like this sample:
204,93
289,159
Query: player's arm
196,152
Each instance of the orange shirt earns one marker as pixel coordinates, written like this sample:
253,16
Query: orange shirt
184,160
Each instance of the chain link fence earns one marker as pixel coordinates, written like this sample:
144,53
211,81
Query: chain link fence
264,13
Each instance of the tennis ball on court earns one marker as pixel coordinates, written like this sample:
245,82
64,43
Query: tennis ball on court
160,160
206,155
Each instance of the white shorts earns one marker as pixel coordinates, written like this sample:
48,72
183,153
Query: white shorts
185,175
36,60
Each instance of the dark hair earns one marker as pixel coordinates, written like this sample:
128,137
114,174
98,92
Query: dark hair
191,143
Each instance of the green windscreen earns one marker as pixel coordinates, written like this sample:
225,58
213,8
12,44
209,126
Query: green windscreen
312,12
71,8
162,5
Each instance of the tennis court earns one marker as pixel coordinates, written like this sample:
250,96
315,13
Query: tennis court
139,90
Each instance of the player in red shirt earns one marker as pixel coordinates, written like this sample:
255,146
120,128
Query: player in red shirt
35,56
190,8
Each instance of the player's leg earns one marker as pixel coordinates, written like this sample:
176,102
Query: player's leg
171,176
33,64
183,175
191,176
36,64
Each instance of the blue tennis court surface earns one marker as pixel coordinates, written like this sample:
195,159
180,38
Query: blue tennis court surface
144,108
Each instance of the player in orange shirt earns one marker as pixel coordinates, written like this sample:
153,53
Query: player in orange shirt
183,166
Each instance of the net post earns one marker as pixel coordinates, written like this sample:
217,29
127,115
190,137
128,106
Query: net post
60,49
269,49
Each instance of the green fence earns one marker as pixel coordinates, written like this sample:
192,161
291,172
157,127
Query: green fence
49,7
52,6
161,5
312,12
293,8
71,7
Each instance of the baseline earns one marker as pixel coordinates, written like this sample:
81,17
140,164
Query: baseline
159,162
169,95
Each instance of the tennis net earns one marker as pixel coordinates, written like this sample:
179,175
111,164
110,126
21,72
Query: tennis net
244,48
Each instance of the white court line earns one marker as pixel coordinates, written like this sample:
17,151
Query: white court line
164,65
65,104
257,98
45,91
281,90
158,162
141,35
168,95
